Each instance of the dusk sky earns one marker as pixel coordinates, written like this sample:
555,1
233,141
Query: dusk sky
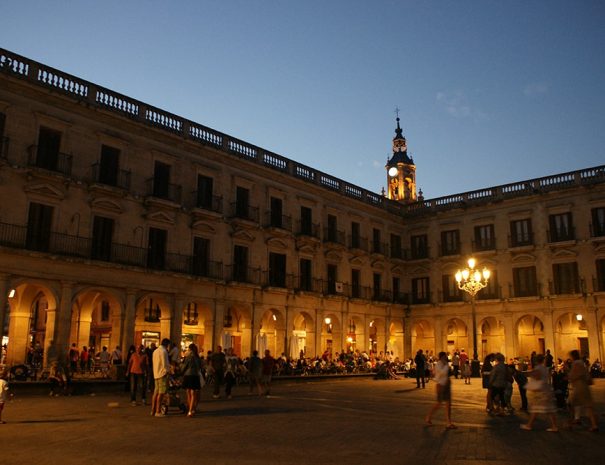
490,92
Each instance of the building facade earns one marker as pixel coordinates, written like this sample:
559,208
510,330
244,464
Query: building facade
121,223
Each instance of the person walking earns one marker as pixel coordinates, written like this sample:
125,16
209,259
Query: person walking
497,384
541,396
486,370
420,362
255,371
161,369
218,362
3,392
135,371
267,373
191,369
456,364
579,377
441,375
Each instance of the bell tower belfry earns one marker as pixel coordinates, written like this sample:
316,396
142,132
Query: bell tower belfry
401,171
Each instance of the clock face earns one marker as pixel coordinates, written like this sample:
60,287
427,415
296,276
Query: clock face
392,171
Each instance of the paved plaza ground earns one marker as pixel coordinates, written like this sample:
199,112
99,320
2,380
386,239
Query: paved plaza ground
336,421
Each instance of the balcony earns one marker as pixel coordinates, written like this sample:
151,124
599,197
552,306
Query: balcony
273,220
119,178
243,274
307,229
484,245
17,237
358,242
597,230
380,248
521,240
419,253
243,212
213,203
561,235
57,162
449,249
334,236
163,191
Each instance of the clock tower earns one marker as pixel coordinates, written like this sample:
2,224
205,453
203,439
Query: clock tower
401,171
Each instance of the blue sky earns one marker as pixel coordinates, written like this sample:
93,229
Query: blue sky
490,92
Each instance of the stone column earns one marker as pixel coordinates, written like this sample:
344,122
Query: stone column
129,319
62,329
219,317
49,335
439,345
176,327
407,338
18,335
549,335
510,347
318,330
592,329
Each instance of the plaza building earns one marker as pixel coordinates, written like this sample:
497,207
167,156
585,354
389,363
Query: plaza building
122,223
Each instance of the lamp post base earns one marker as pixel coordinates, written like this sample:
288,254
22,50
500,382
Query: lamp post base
475,369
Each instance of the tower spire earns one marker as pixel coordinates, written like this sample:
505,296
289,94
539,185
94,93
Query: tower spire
401,171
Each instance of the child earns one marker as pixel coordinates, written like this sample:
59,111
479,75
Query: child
466,372
3,393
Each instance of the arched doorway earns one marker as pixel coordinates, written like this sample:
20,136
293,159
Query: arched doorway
395,342
31,321
331,335
423,337
457,335
491,337
303,336
237,333
570,334
195,316
152,320
271,333
530,336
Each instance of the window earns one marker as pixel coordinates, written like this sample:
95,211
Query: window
561,227
332,229
492,290
355,284
156,255
49,144
332,277
306,275
161,180
600,282
396,251
306,221
484,237
524,281
521,233
377,286
598,222
204,192
376,241
451,292
102,237
355,235
38,227
450,242
565,277
277,270
421,291
240,263
398,297
420,246
109,165
201,256
105,311
276,212
242,202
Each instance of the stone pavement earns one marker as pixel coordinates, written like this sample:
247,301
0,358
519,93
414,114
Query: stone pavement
340,421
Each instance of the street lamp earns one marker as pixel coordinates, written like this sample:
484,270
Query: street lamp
472,281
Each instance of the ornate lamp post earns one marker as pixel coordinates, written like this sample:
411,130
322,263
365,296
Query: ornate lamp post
472,281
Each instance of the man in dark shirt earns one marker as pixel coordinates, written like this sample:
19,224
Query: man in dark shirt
218,361
420,362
